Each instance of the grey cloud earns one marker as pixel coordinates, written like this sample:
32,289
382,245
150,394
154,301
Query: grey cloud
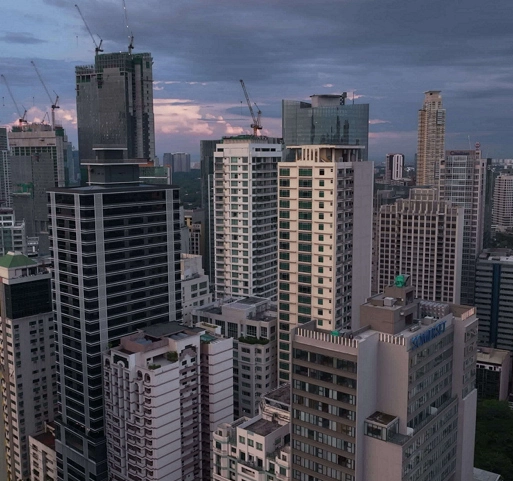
20,37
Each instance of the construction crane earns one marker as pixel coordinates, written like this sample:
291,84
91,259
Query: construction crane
97,48
257,124
21,118
55,105
130,34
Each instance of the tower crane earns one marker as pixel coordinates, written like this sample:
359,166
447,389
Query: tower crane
131,35
257,124
97,48
21,118
55,105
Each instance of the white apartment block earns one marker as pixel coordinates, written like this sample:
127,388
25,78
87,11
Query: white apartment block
251,322
43,457
431,138
462,181
394,167
502,210
325,240
423,238
27,355
257,448
245,189
195,285
395,400
166,388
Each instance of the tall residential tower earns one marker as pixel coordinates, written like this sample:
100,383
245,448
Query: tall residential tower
431,138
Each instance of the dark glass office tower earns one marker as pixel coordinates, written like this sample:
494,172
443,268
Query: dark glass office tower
116,249
115,104
326,120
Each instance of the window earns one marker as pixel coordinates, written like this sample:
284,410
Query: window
305,172
251,443
242,440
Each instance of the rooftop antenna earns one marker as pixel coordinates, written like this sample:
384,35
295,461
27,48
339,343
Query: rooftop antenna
130,34
97,48
54,104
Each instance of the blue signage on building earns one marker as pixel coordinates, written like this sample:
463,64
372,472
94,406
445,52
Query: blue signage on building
426,336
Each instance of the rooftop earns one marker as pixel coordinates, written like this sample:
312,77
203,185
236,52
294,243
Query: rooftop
280,394
492,356
262,427
381,418
48,439
482,475
16,259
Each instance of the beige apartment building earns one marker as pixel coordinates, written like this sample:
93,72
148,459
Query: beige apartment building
394,400
502,210
431,138
324,244
423,238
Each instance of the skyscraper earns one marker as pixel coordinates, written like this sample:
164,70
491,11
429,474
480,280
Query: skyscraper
116,245
245,193
327,120
431,138
27,353
394,400
325,235
462,181
394,166
115,105
502,210
423,238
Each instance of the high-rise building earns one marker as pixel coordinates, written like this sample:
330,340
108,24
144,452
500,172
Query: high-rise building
5,170
423,238
116,245
195,222
256,448
327,120
43,459
493,298
115,105
394,167
462,181
393,400
493,373
178,382
325,235
245,193
502,210
195,285
491,174
251,322
178,161
431,138
27,354
207,149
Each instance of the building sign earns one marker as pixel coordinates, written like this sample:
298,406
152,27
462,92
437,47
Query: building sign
428,335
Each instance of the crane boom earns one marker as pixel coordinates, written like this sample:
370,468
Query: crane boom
21,118
97,48
256,125
55,105
130,34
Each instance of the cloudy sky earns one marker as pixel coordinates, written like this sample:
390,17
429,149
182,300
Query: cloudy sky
386,52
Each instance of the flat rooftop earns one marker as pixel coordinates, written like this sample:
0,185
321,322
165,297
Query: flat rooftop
492,356
262,427
48,439
281,394
381,418
482,475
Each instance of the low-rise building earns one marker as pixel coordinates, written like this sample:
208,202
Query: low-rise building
493,373
43,458
256,448
166,388
251,322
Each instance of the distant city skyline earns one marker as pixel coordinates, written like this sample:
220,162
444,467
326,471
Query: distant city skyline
384,60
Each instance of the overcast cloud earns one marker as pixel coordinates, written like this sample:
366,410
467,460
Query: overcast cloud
386,53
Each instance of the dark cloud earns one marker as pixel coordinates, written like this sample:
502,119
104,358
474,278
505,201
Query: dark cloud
20,37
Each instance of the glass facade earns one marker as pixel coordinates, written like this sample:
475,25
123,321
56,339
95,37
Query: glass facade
341,124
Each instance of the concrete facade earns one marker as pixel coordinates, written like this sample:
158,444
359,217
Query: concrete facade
156,389
43,458
394,167
251,322
325,240
256,448
493,373
27,354
245,195
431,138
502,210
393,400
423,238
195,285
